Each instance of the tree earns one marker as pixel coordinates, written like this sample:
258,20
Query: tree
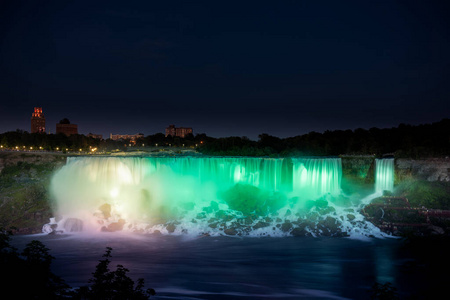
113,285
28,274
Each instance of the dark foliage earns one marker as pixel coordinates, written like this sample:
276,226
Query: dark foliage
384,292
28,273
49,142
29,276
113,285
428,140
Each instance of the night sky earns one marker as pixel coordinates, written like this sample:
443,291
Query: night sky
225,68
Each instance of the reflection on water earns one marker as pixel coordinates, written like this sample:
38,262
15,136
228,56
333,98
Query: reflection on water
179,267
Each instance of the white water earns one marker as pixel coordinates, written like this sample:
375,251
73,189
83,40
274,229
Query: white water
204,195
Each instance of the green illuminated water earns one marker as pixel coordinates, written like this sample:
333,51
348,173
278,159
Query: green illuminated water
205,195
384,175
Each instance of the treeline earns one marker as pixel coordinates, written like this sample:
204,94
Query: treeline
415,141
23,140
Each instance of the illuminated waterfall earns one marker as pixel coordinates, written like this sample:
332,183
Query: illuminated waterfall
384,175
196,194
316,177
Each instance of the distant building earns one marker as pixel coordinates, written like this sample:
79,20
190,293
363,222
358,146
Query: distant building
65,127
131,137
178,131
37,121
95,136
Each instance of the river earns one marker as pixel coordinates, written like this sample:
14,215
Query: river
221,267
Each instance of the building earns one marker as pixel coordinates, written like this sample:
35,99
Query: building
178,131
95,136
171,130
131,137
65,127
37,121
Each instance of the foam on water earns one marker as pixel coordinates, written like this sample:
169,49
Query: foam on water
205,195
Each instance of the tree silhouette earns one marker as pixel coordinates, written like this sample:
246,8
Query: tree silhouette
29,276
112,285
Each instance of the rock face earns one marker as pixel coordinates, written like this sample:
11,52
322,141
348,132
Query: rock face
358,168
433,169
24,178
12,158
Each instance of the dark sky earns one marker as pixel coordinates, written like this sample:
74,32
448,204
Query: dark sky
225,68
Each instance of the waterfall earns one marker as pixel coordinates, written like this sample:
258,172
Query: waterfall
214,195
384,175
316,177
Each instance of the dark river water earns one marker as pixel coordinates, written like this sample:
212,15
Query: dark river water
180,267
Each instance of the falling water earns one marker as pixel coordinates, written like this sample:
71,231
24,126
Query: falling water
384,175
202,195
317,177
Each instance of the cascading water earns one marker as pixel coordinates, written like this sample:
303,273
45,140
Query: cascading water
316,177
384,175
203,195
384,179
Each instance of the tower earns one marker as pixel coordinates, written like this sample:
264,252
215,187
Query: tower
37,121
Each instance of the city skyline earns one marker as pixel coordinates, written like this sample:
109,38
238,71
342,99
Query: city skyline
224,68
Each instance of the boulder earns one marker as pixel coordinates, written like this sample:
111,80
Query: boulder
171,227
230,231
106,210
115,226
286,226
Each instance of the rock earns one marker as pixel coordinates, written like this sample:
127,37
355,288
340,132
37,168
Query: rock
432,169
106,210
435,230
329,226
350,217
221,214
286,226
116,226
300,231
213,225
171,228
230,231
261,224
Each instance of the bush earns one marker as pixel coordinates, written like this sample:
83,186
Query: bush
112,285
29,276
